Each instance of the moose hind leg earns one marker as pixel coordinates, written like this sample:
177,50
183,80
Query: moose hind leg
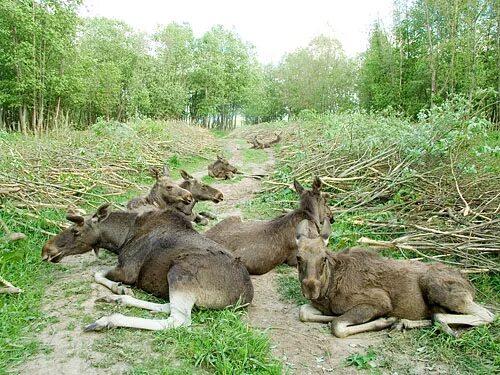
472,315
134,302
456,297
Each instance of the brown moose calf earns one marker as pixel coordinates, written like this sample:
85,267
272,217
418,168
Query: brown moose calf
358,290
222,169
264,244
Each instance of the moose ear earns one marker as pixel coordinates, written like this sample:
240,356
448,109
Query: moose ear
166,171
326,231
317,183
186,176
155,173
103,212
75,217
302,230
327,195
298,187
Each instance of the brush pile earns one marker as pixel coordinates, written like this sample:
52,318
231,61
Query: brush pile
74,168
433,186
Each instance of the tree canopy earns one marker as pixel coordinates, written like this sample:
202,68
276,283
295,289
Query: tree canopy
57,68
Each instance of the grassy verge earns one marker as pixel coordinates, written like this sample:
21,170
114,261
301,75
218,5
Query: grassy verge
251,155
21,317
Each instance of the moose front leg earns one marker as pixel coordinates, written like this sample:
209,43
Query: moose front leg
101,277
357,320
308,313
127,300
180,306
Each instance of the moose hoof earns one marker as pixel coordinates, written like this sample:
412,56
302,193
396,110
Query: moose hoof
122,289
400,325
386,322
446,329
106,322
203,222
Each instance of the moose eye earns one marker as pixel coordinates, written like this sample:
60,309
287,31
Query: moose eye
299,259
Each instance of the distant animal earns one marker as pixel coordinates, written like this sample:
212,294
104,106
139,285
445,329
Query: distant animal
163,193
262,245
257,144
160,253
222,169
358,290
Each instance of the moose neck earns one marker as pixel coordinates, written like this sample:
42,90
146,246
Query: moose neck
154,196
311,211
115,230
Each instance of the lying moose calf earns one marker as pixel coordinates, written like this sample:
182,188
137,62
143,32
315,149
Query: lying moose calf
160,253
368,292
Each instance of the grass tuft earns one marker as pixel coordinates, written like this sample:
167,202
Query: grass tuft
221,341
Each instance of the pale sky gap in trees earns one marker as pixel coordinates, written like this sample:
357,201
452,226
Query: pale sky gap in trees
273,27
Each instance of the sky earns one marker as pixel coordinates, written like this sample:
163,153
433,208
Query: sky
274,27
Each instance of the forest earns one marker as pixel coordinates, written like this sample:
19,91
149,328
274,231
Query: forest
58,68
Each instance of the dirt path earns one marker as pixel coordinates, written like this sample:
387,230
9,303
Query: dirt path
66,303
304,348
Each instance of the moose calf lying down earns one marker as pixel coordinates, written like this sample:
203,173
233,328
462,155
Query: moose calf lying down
258,144
201,193
166,193
358,290
222,169
264,244
160,253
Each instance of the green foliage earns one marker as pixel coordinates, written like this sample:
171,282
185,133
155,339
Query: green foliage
319,77
362,361
21,314
251,155
378,76
435,51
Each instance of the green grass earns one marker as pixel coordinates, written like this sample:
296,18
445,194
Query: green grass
21,318
251,155
366,361
218,133
221,341
211,180
289,289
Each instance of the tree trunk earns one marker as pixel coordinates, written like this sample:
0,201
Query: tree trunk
432,59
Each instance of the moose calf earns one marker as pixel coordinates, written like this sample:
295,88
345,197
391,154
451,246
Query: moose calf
358,290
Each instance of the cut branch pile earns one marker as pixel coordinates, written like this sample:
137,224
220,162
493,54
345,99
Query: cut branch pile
76,168
438,209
